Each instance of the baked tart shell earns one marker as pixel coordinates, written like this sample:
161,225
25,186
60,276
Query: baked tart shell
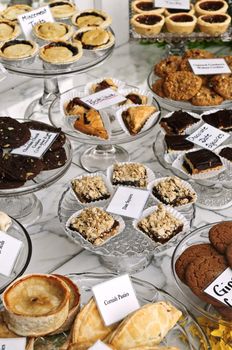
98,31
54,57
59,12
16,31
66,34
180,27
145,29
200,11
213,28
136,9
105,23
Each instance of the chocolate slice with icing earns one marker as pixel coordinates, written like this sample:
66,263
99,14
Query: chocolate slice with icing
178,122
177,143
201,161
221,119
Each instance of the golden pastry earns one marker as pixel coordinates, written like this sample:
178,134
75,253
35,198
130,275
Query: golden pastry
214,24
136,117
11,13
91,123
94,38
61,52
169,12
18,49
8,30
4,330
147,24
50,31
181,23
62,8
104,84
211,7
90,18
141,6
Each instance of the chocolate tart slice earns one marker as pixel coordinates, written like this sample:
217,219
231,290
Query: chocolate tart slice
141,6
147,24
135,117
214,24
211,7
130,174
90,18
50,31
181,23
91,123
201,161
176,143
11,13
226,153
169,12
94,38
8,30
178,122
18,50
62,9
61,52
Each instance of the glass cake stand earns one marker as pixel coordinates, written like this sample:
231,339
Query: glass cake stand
213,193
19,232
21,203
103,153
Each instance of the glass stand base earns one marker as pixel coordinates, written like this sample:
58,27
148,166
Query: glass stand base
25,208
212,198
38,111
122,264
100,157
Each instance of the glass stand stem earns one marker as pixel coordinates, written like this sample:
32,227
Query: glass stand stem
51,90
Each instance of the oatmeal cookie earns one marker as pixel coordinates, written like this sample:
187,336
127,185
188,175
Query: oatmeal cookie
222,84
157,87
206,97
168,65
228,61
198,53
182,85
185,66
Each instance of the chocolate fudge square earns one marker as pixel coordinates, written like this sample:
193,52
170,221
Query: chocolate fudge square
178,122
177,143
221,119
201,161
226,153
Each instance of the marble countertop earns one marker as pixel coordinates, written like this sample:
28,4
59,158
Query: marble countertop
52,250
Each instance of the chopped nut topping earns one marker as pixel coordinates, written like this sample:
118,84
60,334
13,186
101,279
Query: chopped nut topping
90,188
133,174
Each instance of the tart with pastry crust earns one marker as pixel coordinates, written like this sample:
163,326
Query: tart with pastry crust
8,30
11,13
146,6
90,18
61,52
147,24
94,38
214,24
50,31
211,7
181,23
18,49
62,8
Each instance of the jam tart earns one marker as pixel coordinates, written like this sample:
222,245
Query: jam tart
141,6
91,123
181,23
94,38
50,31
61,52
214,24
11,13
90,18
135,117
8,30
147,24
211,7
169,12
18,49
62,8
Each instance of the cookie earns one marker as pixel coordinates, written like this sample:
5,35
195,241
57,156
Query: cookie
201,272
157,87
225,312
168,65
229,254
59,141
222,84
228,61
181,86
12,133
206,97
198,53
10,184
54,159
185,66
190,254
220,236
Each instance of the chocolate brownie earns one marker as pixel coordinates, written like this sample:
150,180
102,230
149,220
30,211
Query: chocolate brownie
178,122
177,143
9,184
201,161
226,153
12,133
54,159
59,141
221,119
220,236
201,272
229,254
190,254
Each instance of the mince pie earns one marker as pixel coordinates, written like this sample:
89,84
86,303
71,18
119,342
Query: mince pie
91,123
147,24
8,30
18,49
182,23
62,8
141,6
61,52
11,13
129,174
214,24
136,117
211,7
90,189
92,18
50,31
94,38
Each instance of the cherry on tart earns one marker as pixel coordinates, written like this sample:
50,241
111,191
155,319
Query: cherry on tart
211,7
147,24
141,6
182,23
214,24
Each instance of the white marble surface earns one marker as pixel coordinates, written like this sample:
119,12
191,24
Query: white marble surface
52,250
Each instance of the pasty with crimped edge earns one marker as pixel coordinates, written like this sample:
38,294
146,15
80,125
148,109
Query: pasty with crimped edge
88,326
146,326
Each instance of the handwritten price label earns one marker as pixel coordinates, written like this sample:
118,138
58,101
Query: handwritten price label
103,99
173,4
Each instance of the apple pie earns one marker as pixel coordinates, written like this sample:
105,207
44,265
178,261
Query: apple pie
135,117
91,123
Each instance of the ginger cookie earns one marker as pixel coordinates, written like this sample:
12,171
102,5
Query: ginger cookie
198,53
229,254
222,84
206,97
190,254
168,65
157,87
12,133
181,86
220,236
225,311
201,272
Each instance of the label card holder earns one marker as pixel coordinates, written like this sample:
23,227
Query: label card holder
9,251
209,66
221,288
29,19
115,299
38,144
173,4
209,137
103,99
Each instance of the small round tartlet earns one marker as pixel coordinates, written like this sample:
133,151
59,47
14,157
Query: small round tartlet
169,12
214,24
8,30
147,24
90,18
211,7
16,50
61,52
181,23
62,9
94,38
36,304
142,6
11,13
50,31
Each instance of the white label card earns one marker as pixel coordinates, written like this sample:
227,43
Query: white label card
29,19
173,4
221,287
209,66
208,137
38,144
13,343
103,99
99,345
9,251
115,299
3,72
128,201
